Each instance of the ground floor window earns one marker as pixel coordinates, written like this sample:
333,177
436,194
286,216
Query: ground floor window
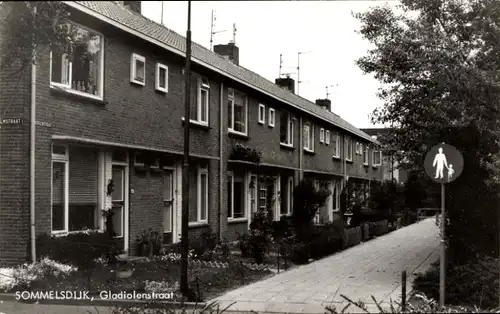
198,194
74,188
286,195
236,195
267,197
336,196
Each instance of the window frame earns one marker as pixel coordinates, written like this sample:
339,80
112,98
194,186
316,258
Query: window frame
366,157
245,192
290,125
336,202
322,135
349,150
64,159
289,195
262,114
327,137
159,67
272,117
201,171
337,146
133,68
231,97
373,158
203,84
67,87
310,139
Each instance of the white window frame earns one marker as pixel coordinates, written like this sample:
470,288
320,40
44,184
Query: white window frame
289,195
361,149
357,148
67,87
373,158
366,157
327,137
348,151
321,135
336,189
337,145
203,84
133,68
230,97
262,114
202,171
290,125
64,159
272,117
310,139
245,192
160,67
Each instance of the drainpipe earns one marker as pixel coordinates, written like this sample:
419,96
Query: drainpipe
301,150
32,150
221,161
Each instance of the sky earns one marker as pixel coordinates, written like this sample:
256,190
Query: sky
324,30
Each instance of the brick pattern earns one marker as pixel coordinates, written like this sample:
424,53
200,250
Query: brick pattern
132,115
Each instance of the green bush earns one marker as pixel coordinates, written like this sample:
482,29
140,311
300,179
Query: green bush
475,282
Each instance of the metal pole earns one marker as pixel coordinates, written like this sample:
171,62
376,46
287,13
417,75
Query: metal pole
185,167
162,13
33,149
442,266
403,290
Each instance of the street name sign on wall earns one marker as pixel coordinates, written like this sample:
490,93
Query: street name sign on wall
444,163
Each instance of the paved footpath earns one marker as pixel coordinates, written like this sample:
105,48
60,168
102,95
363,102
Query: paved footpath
371,268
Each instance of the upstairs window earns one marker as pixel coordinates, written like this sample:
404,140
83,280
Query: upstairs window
203,100
161,78
308,137
348,154
82,70
286,129
365,155
237,112
327,137
321,135
272,117
138,69
262,114
377,158
336,145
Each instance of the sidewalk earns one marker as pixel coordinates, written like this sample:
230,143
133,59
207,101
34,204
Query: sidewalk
371,268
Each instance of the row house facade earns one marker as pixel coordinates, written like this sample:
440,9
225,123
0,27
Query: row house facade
109,136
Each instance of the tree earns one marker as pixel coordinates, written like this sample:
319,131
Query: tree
438,62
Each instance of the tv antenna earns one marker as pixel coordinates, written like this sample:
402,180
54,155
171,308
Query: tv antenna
234,33
162,13
327,93
212,32
298,69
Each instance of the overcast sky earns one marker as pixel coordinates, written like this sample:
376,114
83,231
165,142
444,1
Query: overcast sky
266,29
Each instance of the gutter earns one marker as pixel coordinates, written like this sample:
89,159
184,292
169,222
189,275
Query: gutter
221,160
301,150
32,151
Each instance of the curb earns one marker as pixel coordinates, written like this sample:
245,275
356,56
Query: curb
97,301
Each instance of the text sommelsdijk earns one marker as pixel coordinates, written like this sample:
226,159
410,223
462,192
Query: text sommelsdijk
84,295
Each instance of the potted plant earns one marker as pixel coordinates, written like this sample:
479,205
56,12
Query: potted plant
143,244
124,270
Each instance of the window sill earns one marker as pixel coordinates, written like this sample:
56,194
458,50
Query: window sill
309,151
375,166
238,134
137,82
365,165
286,215
65,233
262,122
349,161
287,146
237,220
198,224
62,91
161,91
336,157
201,125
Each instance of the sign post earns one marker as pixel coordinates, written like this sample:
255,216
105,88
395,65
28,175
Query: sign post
440,158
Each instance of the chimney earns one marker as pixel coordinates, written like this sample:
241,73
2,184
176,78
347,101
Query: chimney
133,5
325,103
229,51
286,83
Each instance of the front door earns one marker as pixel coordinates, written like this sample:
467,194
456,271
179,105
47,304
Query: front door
168,205
118,200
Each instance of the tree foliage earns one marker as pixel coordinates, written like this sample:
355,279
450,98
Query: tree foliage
30,27
438,62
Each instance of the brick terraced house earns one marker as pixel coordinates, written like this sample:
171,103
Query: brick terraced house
109,135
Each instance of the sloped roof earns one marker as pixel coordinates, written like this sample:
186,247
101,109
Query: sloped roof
156,33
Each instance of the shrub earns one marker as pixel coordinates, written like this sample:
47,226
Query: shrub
300,253
79,249
475,281
257,241
206,242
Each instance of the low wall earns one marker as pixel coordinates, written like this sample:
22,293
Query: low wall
379,228
353,236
